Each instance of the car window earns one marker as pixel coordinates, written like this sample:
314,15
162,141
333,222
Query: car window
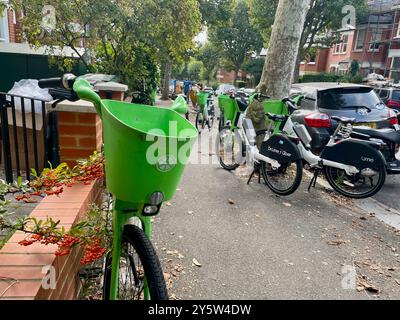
384,94
308,103
348,98
396,95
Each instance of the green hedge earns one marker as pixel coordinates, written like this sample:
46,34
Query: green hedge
322,77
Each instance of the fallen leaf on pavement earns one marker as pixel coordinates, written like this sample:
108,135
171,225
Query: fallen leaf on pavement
368,287
336,242
197,263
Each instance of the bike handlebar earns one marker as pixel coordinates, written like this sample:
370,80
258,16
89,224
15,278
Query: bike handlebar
66,82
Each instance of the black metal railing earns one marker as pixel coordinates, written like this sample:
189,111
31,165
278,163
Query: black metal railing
24,143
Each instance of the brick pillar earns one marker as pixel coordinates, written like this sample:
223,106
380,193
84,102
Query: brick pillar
111,90
80,135
79,126
11,26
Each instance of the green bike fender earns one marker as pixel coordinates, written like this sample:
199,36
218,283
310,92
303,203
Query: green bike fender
84,91
180,106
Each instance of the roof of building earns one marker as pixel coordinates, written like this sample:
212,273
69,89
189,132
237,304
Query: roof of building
383,5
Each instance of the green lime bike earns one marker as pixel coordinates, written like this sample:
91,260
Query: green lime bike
239,143
140,178
206,114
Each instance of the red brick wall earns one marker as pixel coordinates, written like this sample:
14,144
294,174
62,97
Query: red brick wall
319,65
15,30
11,26
25,264
80,135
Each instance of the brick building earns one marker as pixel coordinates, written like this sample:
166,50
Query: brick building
10,28
374,42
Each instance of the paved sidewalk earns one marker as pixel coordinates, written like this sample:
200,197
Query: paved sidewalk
254,245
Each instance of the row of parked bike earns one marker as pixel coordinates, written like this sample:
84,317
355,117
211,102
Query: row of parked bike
355,161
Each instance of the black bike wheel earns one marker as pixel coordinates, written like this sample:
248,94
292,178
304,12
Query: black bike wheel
285,180
228,149
199,122
221,123
364,185
210,122
138,260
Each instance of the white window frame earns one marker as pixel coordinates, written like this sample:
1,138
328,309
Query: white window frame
345,44
375,37
357,38
4,33
398,30
337,48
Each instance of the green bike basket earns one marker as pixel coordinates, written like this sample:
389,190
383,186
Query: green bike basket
275,107
229,107
202,98
135,166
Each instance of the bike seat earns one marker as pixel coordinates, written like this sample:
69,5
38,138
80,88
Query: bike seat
383,134
275,117
242,105
292,107
344,120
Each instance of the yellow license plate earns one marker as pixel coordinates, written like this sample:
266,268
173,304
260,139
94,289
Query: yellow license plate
370,125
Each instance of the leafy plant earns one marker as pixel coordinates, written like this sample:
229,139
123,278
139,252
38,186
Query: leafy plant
92,234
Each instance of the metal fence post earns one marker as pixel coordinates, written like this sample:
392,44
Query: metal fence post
5,137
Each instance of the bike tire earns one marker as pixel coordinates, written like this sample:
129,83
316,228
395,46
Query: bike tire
288,191
199,126
228,167
136,237
331,180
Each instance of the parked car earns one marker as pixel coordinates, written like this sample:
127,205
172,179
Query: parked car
209,90
225,88
246,92
324,100
390,96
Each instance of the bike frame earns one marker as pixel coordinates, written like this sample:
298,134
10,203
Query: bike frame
252,152
122,213
313,160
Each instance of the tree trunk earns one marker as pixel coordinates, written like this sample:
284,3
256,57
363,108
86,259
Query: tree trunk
167,77
236,72
296,74
284,47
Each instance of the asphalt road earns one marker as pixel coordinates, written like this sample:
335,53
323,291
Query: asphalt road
253,245
390,193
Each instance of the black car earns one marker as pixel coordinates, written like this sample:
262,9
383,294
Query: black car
324,100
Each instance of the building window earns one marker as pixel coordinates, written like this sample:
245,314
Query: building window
376,39
337,47
345,43
4,27
361,34
398,30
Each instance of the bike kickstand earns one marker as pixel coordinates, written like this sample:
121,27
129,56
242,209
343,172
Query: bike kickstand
251,176
255,171
313,182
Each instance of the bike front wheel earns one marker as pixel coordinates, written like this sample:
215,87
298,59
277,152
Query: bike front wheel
229,149
285,180
138,266
358,186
